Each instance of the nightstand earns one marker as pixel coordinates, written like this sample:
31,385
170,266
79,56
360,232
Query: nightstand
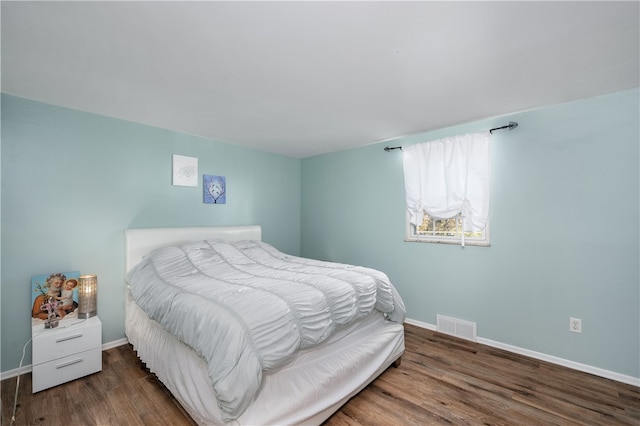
65,353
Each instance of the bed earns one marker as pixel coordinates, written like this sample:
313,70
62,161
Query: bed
302,388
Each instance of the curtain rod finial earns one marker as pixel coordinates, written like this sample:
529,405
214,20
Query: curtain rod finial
512,125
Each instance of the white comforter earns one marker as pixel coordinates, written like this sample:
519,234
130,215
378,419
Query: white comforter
246,307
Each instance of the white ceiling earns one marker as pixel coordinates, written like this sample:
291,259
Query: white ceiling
305,78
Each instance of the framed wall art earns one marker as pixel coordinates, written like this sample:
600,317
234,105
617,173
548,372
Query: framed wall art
214,189
185,171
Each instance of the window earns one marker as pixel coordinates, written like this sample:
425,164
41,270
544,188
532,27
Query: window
446,231
448,178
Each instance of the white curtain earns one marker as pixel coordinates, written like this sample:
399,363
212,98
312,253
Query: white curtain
449,176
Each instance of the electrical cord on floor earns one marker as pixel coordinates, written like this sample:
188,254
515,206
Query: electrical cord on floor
24,348
15,400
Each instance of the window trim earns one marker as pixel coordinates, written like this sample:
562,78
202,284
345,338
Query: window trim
468,241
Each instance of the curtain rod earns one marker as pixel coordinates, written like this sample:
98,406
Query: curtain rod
512,125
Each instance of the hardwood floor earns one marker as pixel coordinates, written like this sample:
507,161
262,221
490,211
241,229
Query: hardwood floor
442,380
445,380
123,393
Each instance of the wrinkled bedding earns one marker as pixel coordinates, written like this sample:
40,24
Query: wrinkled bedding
246,307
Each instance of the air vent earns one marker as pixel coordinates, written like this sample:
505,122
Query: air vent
456,327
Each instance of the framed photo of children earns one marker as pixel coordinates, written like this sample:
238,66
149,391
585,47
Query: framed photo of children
54,297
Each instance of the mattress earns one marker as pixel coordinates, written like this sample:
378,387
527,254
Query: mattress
305,391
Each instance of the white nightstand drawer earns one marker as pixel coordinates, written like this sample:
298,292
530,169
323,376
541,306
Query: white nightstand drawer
60,342
62,370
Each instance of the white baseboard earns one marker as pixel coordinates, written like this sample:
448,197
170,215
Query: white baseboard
630,380
115,343
28,368
420,324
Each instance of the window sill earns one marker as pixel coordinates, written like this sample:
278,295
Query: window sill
449,242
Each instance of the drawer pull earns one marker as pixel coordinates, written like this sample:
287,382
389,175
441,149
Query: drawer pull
68,363
64,339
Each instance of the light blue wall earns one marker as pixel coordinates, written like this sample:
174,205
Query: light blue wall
564,232
72,182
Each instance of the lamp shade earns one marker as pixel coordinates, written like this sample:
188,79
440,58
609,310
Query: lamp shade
87,296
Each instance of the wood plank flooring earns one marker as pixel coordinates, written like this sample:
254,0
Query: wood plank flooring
442,380
123,393
445,380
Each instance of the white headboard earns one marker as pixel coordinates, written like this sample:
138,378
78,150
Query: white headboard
139,242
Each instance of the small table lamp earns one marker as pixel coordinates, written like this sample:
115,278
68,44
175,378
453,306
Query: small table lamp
87,296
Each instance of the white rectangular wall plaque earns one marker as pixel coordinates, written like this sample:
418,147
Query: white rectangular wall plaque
185,171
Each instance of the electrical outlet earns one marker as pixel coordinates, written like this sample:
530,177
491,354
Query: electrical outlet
575,325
